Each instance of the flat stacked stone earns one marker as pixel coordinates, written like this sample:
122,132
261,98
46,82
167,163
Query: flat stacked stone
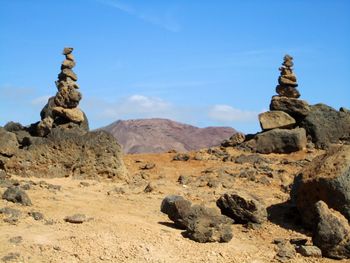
287,80
62,109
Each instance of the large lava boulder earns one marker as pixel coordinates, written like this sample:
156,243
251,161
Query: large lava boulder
242,207
69,153
332,233
326,125
280,141
201,224
326,178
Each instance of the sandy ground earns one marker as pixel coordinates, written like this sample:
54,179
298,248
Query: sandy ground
125,223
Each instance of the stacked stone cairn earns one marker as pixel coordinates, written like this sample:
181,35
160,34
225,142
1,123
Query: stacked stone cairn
62,109
287,80
281,132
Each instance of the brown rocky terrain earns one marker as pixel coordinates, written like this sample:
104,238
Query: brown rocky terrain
162,135
124,222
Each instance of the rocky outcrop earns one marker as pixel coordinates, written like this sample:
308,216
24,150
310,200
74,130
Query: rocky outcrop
62,109
332,233
201,224
326,125
326,178
68,153
242,207
275,119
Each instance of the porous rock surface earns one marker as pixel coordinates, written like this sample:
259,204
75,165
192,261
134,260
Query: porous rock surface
332,234
326,178
242,207
201,224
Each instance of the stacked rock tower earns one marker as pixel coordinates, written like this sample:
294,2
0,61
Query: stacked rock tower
62,109
287,80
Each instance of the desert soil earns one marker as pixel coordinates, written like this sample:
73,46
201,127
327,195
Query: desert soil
125,223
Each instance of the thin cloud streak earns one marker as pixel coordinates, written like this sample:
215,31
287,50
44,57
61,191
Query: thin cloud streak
166,22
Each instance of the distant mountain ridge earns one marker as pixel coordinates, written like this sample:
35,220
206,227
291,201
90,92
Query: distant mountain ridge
161,135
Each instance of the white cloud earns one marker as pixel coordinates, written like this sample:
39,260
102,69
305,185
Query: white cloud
136,105
40,101
226,113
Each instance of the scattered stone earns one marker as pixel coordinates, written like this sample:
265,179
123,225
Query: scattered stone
242,207
325,125
11,257
326,178
234,140
275,119
184,179
36,215
251,159
181,157
16,195
281,141
149,188
332,234
10,211
16,240
309,251
147,166
117,190
285,252
76,219
84,184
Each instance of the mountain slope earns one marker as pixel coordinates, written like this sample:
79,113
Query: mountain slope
161,135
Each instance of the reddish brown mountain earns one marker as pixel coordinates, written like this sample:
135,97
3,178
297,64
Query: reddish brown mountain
161,135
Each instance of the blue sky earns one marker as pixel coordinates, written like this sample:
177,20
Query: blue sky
202,62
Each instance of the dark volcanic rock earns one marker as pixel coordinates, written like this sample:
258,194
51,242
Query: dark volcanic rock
70,153
202,224
8,143
326,178
16,195
242,207
332,234
309,251
326,125
76,219
296,108
162,135
209,229
281,141
177,209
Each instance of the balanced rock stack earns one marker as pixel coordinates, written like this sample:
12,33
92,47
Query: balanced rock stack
281,132
290,121
62,109
287,80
